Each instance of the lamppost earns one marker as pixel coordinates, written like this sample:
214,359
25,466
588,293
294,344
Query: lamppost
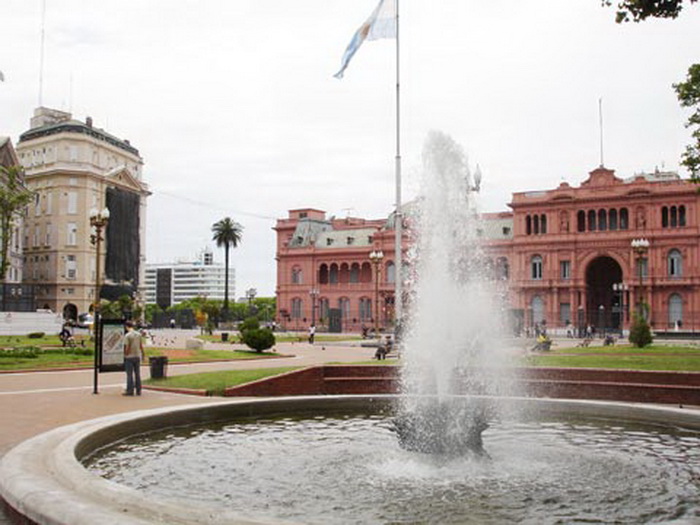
250,294
376,257
640,247
314,294
621,289
98,220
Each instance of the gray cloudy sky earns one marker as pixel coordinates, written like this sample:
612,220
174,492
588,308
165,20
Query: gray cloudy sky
234,109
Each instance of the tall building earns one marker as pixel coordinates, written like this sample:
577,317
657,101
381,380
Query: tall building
73,167
566,257
167,284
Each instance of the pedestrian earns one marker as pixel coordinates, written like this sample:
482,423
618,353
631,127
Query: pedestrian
172,323
133,354
589,331
312,333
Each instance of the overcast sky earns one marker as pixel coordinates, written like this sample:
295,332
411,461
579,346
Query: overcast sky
235,110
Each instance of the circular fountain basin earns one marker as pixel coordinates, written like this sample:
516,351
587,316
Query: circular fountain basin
334,459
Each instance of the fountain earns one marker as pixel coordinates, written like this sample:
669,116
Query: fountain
458,445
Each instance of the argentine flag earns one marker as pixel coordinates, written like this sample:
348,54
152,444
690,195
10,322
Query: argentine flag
380,24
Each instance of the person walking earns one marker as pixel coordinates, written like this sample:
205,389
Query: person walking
312,333
133,354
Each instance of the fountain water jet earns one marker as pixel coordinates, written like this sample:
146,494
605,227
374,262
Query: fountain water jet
453,344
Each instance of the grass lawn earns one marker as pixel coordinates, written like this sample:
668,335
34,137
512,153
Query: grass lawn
285,338
56,357
654,357
215,382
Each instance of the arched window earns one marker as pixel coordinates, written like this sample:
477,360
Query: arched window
366,273
602,220
624,219
333,274
536,267
296,275
612,220
537,305
591,220
355,273
344,305
674,216
390,272
323,274
581,221
543,223
536,224
502,269
675,310
681,216
365,309
344,273
675,263
664,217
528,225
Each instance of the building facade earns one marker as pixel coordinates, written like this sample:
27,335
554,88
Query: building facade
73,167
325,275
167,284
564,257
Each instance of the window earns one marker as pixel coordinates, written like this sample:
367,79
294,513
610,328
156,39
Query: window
296,308
536,224
602,220
643,267
71,234
506,230
323,307
528,225
624,219
537,305
49,201
365,309
675,310
674,216
612,220
565,267
565,313
591,221
664,217
390,272
355,273
333,275
296,275
502,269
681,216
675,263
35,238
344,305
48,235
581,221
72,202
543,224
350,241
536,267
71,267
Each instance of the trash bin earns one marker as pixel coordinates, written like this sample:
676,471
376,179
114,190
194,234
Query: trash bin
159,366
224,336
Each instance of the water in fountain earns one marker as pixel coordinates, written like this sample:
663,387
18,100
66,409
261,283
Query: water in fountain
453,344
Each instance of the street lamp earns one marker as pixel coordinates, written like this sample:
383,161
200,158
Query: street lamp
376,257
640,247
98,220
314,294
621,289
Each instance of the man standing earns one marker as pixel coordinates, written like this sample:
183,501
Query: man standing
133,353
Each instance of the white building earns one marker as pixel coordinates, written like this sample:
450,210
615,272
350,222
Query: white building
166,284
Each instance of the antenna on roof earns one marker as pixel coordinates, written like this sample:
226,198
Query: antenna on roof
41,53
600,119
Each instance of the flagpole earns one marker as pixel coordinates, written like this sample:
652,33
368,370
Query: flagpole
398,223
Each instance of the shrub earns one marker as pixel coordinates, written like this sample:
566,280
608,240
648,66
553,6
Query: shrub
251,323
36,335
258,339
26,352
640,332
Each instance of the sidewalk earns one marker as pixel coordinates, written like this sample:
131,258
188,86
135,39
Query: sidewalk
34,402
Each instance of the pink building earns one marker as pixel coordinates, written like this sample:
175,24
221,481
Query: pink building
564,257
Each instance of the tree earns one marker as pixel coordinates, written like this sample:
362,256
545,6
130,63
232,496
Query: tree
640,332
689,95
639,10
688,92
227,233
14,196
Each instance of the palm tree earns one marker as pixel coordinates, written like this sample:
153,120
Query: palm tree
227,233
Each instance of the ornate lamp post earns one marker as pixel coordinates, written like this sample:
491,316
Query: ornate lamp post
314,294
98,220
376,257
621,289
640,247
